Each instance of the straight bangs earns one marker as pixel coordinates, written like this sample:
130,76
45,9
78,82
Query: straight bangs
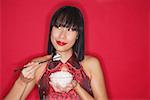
69,19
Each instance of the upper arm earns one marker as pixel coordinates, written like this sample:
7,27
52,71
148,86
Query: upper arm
97,79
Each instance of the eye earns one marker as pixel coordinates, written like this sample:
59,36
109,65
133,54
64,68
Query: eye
69,29
58,27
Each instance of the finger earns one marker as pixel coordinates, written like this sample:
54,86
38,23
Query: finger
27,77
31,66
74,83
36,65
35,61
70,85
68,88
28,72
28,64
24,79
30,75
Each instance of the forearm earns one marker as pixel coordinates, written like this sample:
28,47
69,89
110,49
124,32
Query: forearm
84,95
17,90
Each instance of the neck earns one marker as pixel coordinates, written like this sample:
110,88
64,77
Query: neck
65,55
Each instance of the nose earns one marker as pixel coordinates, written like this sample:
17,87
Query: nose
63,33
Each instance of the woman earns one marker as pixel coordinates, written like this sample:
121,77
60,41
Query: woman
66,39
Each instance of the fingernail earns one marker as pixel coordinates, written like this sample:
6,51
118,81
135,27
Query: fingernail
37,62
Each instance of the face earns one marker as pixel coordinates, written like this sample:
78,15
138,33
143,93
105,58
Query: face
63,38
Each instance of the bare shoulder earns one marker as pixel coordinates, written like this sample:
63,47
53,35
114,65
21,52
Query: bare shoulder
91,65
91,61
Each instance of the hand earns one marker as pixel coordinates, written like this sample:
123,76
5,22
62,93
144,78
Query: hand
28,73
70,86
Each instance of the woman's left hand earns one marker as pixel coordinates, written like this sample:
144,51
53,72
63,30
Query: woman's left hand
70,86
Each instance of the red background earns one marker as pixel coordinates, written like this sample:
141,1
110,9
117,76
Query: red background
116,31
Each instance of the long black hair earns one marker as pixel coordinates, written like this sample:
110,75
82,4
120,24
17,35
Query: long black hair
70,17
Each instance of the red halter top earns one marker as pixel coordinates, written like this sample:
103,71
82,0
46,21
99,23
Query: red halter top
73,66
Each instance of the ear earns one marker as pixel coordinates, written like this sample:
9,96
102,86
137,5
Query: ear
77,37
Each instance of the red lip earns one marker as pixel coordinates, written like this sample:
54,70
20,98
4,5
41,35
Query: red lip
61,43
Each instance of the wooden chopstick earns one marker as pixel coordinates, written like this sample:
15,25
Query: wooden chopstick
20,69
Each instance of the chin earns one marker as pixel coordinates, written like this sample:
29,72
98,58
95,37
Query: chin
62,49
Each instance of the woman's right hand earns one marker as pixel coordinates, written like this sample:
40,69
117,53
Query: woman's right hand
28,73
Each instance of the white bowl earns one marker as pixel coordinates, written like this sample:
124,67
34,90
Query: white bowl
62,78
